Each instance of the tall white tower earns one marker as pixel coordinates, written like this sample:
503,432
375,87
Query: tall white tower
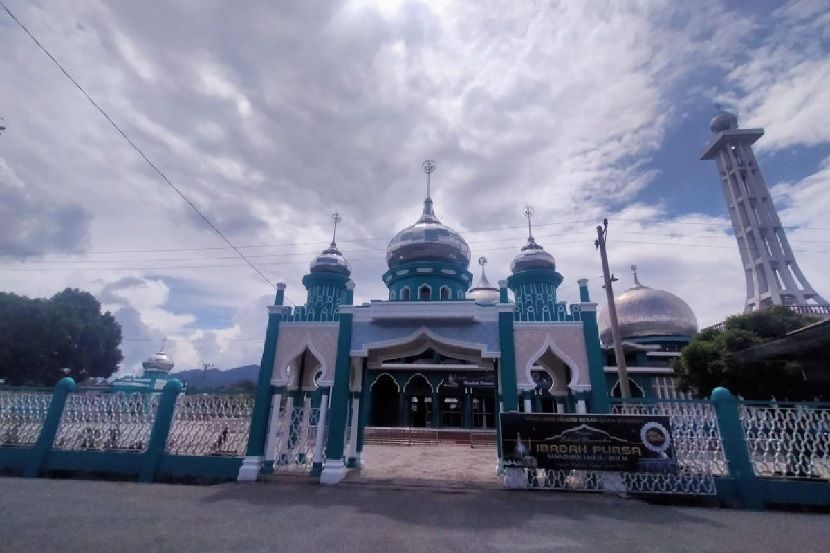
772,274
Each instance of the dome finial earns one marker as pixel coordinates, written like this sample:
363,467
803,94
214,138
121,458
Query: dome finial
636,280
428,214
335,218
483,261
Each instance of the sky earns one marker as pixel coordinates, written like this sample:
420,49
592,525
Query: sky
270,116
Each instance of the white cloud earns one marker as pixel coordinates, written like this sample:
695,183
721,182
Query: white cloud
271,118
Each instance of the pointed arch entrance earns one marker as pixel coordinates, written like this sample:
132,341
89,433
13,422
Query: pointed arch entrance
385,406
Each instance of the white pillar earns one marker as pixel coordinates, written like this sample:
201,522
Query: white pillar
580,406
273,425
321,430
352,449
560,405
528,406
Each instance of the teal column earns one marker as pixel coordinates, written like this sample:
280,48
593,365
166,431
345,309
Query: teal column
734,449
365,406
509,390
436,410
596,373
335,469
262,399
161,430
51,424
468,407
402,409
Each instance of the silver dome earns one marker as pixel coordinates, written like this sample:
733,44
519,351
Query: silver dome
331,261
724,121
532,256
484,292
644,311
428,240
159,361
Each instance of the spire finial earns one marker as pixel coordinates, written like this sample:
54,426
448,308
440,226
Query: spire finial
335,218
482,261
163,344
636,280
428,214
528,211
718,106
428,167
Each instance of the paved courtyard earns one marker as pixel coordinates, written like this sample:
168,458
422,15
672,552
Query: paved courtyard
296,515
450,464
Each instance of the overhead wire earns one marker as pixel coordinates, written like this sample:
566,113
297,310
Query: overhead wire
135,147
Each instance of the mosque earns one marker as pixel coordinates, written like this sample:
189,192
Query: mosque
155,375
444,353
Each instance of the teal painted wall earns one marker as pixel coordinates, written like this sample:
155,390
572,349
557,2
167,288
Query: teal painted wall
413,276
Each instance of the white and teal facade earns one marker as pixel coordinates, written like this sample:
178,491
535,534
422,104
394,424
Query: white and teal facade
437,352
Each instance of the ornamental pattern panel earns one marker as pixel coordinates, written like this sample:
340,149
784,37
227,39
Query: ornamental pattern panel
477,334
566,341
320,339
21,416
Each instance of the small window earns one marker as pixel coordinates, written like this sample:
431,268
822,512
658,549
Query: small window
405,293
445,293
391,294
424,293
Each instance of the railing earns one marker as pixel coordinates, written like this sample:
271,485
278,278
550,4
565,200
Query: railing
210,424
21,416
117,433
296,439
106,421
787,440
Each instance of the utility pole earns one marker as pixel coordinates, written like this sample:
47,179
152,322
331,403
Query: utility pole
602,233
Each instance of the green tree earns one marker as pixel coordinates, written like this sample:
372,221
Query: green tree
705,363
41,338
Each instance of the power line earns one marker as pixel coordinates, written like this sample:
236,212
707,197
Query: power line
135,147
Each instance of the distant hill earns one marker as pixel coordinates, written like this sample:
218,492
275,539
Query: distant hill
215,379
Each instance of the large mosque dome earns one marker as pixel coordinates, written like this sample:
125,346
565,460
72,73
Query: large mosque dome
532,256
159,361
428,240
644,312
331,260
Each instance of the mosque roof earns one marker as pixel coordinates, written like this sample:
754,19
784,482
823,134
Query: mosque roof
428,240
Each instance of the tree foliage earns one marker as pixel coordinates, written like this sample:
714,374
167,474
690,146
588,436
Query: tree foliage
705,362
41,338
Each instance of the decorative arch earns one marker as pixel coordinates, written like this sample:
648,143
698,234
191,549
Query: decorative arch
424,288
549,344
405,292
423,339
632,385
283,377
420,374
372,385
445,293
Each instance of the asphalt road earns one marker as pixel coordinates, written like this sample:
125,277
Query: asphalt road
40,516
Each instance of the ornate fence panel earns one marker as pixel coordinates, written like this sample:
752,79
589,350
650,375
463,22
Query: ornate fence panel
787,440
295,439
21,416
211,424
107,421
698,450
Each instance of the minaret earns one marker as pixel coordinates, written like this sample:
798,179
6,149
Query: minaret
772,274
326,280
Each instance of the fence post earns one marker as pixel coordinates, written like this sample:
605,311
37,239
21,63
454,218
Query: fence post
161,430
50,427
734,447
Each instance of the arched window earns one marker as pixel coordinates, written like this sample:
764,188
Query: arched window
391,294
635,389
445,292
459,294
405,293
424,292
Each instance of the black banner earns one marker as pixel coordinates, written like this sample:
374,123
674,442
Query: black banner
635,443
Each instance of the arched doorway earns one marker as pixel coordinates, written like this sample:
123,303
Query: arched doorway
418,394
385,403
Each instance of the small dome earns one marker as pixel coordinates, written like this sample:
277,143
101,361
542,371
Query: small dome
428,240
159,361
331,260
532,256
724,121
483,293
644,311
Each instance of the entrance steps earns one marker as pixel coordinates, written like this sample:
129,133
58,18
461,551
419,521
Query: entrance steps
475,438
